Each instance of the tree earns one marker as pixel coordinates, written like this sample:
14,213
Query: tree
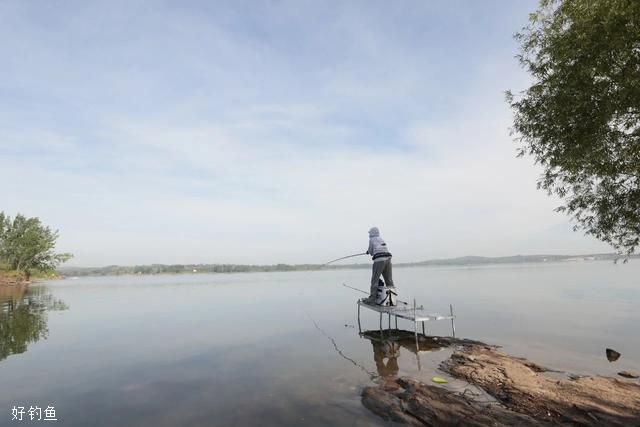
27,245
580,119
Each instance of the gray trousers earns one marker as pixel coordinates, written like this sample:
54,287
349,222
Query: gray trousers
384,268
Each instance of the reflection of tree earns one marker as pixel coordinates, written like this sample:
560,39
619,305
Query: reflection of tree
23,317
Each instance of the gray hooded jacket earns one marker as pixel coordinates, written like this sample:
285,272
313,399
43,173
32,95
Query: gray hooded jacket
377,247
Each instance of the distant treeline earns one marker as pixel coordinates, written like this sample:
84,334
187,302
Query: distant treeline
245,268
184,268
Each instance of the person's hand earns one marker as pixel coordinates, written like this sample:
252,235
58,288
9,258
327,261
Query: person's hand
367,252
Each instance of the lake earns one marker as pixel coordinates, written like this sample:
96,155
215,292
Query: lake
276,349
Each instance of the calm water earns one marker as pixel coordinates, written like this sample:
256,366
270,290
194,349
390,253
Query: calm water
283,348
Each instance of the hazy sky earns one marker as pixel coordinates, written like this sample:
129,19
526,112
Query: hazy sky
269,131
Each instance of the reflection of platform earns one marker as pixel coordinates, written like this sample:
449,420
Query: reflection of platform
406,340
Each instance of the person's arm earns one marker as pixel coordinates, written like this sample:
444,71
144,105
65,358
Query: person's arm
370,250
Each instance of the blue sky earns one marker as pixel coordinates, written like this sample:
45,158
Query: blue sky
263,132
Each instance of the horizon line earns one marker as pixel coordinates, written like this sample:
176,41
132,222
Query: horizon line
607,254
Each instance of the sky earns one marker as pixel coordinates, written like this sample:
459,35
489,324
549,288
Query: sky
270,131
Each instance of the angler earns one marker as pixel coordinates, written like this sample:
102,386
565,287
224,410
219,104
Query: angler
381,266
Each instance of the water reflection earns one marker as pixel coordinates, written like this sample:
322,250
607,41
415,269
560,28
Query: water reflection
387,344
389,351
23,317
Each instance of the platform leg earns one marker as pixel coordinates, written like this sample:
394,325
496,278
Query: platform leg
380,321
453,322
359,327
415,328
396,321
423,332
389,314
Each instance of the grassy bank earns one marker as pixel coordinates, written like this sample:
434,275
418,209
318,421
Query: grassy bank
10,278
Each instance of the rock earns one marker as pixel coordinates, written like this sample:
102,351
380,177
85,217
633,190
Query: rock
612,355
535,367
525,396
387,405
521,386
628,374
419,404
576,377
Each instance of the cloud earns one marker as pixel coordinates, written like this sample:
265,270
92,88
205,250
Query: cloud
268,134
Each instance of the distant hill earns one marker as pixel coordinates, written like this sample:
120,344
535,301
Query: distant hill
245,268
517,259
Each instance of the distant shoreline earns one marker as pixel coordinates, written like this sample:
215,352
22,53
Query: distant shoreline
152,269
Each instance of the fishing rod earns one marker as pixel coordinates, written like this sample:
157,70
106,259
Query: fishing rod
344,257
364,292
355,289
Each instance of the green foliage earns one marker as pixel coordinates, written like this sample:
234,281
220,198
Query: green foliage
580,119
26,245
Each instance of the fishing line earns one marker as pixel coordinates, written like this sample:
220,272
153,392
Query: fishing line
335,345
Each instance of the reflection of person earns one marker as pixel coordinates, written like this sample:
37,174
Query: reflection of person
386,349
381,263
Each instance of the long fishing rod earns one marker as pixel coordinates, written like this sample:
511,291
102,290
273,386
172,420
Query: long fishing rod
344,257
364,292
355,289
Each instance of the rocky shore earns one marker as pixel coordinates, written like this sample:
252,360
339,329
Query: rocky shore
523,393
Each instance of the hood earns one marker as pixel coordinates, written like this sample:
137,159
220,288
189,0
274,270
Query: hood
374,232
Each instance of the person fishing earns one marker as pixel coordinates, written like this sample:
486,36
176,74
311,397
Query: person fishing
381,263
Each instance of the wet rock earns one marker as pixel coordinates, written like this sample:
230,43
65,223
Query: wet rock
612,355
522,387
535,367
386,405
576,377
418,404
524,394
629,374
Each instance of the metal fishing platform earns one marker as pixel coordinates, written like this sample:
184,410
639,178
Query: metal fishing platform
414,313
